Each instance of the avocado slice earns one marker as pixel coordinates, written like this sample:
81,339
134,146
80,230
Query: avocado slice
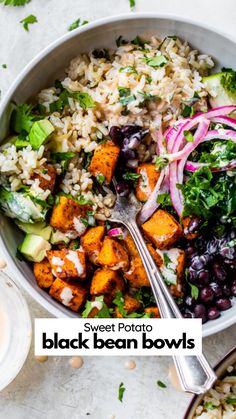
39,132
59,237
40,229
218,94
34,248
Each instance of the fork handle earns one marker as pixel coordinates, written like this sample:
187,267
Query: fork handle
195,373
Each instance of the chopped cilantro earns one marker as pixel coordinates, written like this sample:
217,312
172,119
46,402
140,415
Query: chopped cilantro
161,384
230,400
167,260
101,53
120,41
84,99
138,41
103,313
125,95
14,2
76,24
194,291
101,179
128,69
148,96
228,81
148,79
164,199
119,302
187,111
158,61
22,118
75,244
131,176
87,159
63,156
209,406
29,20
83,201
121,391
145,296
132,4
161,162
4,66
188,136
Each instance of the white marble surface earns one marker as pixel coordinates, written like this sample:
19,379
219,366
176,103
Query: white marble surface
54,390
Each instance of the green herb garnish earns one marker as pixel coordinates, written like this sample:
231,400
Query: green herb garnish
4,66
101,179
187,111
158,61
101,53
194,291
230,400
131,176
161,384
132,4
76,24
104,313
125,95
29,20
228,80
14,2
121,391
128,69
188,136
161,162
209,406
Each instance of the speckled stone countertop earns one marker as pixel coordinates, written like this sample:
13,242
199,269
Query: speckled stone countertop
53,389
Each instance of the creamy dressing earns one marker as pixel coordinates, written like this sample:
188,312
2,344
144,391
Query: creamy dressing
169,270
57,261
5,332
144,184
97,304
79,226
59,269
74,258
66,296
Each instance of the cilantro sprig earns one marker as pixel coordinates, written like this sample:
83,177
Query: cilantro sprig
77,23
29,20
121,391
14,2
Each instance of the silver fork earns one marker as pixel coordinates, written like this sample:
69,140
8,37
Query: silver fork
195,373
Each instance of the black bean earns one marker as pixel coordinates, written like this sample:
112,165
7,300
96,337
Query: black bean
129,130
206,295
200,312
197,263
226,290
203,277
194,224
213,313
219,271
223,304
116,135
233,288
217,290
122,188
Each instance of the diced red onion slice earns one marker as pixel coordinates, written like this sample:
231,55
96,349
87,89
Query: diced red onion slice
115,232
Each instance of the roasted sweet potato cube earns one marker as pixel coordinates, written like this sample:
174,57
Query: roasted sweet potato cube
104,160
162,229
43,274
147,180
66,263
153,311
157,257
131,305
186,222
136,274
106,282
113,254
72,296
47,177
177,290
91,242
65,213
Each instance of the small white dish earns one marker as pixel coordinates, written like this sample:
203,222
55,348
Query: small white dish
15,327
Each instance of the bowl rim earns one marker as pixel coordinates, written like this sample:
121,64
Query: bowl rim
216,368
212,328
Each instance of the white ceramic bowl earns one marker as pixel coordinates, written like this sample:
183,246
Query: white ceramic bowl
49,65
15,336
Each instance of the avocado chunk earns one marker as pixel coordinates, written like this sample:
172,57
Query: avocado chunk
219,94
39,132
34,248
40,229
59,237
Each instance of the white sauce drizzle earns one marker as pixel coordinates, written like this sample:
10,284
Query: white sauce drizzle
57,261
74,258
97,304
66,296
79,226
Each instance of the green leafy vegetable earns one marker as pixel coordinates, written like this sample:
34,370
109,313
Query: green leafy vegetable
125,95
131,176
148,96
39,132
29,20
121,391
158,61
22,118
63,156
103,313
218,153
161,162
14,2
84,99
101,179
145,296
188,136
119,302
4,66
77,23
206,194
161,384
83,201
166,259
228,81
149,79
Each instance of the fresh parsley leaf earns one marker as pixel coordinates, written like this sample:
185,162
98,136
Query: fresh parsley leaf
14,2
77,23
101,179
131,176
148,96
158,61
187,111
84,99
132,4
29,20
83,201
188,135
164,199
228,81
230,400
218,153
166,259
194,291
161,384
145,296
128,69
22,118
209,406
121,391
119,302
4,66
